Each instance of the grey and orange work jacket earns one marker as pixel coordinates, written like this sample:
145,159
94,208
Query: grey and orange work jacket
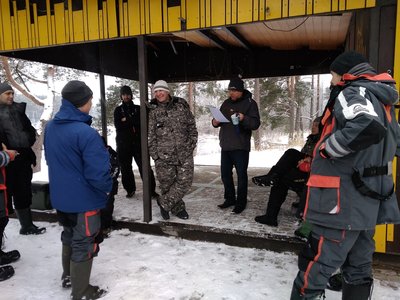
351,185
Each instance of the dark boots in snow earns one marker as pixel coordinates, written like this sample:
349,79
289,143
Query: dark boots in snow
66,260
357,292
267,220
6,272
25,219
80,276
9,257
266,180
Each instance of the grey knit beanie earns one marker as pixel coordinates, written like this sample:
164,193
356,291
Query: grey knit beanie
77,92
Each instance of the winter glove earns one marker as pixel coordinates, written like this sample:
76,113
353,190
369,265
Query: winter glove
304,166
323,152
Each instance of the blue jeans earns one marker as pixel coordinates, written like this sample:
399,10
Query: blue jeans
240,160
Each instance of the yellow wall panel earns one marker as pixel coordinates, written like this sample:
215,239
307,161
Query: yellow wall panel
93,20
245,11
134,16
49,23
192,14
217,13
59,20
380,238
371,3
285,9
228,13
111,19
208,13
274,10
142,24
297,8
355,4
5,19
390,233
155,18
321,6
261,11
77,25
174,14
43,31
101,25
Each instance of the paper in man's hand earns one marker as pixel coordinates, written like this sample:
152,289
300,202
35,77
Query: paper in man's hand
216,113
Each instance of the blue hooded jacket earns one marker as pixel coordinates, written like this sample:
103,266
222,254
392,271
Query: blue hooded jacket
78,161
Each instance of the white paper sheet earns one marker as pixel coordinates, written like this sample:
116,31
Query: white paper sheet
217,114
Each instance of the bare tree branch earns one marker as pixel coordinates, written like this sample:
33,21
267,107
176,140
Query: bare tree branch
15,84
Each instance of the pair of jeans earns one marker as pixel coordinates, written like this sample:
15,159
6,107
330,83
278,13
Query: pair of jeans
240,160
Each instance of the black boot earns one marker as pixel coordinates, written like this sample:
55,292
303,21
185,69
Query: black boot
6,272
164,213
266,180
25,219
183,214
226,204
80,276
265,219
9,257
357,292
66,265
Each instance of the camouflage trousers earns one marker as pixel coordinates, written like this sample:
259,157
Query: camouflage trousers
175,181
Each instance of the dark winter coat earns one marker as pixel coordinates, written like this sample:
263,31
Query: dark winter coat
78,161
128,132
309,146
17,132
237,137
172,131
359,131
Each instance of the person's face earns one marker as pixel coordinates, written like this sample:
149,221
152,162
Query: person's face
7,98
235,94
315,128
161,96
126,97
336,78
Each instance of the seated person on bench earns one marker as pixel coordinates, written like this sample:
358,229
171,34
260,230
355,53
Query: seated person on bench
290,172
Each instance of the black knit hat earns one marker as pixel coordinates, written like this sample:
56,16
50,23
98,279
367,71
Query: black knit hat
236,84
77,92
125,90
346,61
4,87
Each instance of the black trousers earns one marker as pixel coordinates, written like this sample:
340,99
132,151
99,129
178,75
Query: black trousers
19,182
290,178
125,155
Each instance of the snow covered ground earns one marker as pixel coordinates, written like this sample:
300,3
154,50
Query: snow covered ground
135,266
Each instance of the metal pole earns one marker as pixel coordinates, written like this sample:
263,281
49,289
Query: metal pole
142,64
103,106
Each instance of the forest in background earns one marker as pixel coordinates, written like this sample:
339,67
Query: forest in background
287,104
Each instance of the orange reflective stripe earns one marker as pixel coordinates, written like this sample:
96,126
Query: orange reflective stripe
324,181
306,207
310,264
87,215
379,77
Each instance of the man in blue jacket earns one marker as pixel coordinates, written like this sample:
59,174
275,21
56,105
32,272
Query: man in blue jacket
79,175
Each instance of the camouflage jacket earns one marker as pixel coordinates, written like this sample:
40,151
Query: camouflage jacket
172,131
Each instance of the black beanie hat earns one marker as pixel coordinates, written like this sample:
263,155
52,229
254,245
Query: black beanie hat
125,90
77,92
346,61
4,87
236,84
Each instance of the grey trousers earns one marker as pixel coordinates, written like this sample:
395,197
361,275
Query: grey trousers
81,233
330,249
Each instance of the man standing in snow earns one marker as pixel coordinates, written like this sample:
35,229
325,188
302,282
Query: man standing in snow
79,175
234,139
127,125
350,188
17,133
172,139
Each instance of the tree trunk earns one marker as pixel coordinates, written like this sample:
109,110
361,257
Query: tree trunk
256,135
191,97
291,87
